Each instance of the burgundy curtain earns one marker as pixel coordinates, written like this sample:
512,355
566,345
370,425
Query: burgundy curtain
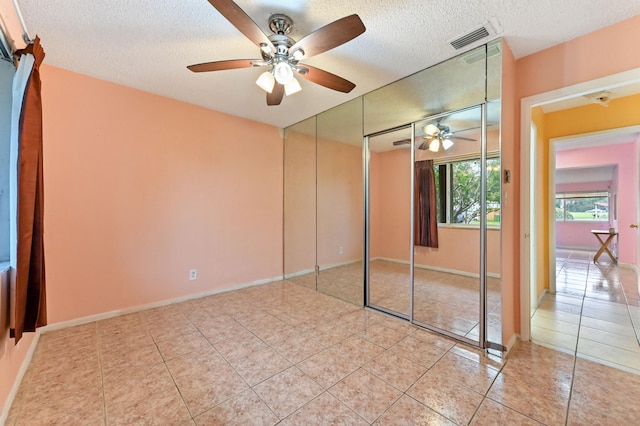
30,308
425,205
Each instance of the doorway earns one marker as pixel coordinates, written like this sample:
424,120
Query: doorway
573,287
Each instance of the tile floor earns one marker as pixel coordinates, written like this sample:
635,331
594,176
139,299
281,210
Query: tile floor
443,300
284,354
595,312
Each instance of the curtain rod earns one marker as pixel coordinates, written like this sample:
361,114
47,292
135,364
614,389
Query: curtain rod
25,32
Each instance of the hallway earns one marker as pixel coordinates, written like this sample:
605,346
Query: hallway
595,313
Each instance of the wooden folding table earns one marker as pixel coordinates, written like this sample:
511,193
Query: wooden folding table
604,245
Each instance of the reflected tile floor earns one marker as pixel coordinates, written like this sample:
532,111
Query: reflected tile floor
280,353
442,300
595,312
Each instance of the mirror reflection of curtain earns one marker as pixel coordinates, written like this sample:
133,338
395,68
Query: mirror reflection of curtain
426,220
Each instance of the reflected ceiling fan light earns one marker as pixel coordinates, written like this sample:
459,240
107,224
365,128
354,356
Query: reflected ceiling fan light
292,87
266,81
434,145
283,73
431,130
447,143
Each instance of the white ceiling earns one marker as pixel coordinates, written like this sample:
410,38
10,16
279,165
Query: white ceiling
148,44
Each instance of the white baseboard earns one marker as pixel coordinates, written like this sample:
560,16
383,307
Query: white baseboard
337,265
119,312
544,293
299,273
510,344
4,415
437,268
97,317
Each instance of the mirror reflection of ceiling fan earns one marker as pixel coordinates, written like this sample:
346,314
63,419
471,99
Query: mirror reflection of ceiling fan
281,54
437,136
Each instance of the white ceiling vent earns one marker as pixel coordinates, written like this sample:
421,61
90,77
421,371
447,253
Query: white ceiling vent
472,37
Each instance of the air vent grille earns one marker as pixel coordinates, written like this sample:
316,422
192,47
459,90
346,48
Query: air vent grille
470,38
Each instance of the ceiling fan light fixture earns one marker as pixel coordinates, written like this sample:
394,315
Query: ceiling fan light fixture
447,143
431,130
292,87
298,54
266,81
283,73
434,145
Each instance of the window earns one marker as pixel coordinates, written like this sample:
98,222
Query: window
7,70
458,191
582,206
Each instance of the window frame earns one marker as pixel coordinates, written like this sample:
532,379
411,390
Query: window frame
445,186
564,196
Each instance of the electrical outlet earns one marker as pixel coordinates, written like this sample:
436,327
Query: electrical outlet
193,274
340,250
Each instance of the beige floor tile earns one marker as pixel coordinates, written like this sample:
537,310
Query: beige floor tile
472,374
324,410
328,367
539,321
450,399
365,394
609,353
408,412
287,391
600,336
83,407
492,413
611,327
164,407
206,388
135,384
358,349
245,408
558,315
546,402
418,350
554,338
396,370
174,347
298,347
258,366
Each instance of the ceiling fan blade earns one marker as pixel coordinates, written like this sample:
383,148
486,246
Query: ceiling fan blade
239,19
222,65
460,138
330,36
275,97
423,146
470,128
402,142
328,80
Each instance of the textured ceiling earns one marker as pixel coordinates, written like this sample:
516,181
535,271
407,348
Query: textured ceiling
148,44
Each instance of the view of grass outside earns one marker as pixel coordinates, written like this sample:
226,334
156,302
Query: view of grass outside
582,207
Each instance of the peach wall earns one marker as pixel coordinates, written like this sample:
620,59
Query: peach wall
11,355
564,65
299,202
606,51
140,189
510,218
339,202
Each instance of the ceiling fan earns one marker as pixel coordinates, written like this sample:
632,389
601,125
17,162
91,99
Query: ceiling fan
281,54
436,136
